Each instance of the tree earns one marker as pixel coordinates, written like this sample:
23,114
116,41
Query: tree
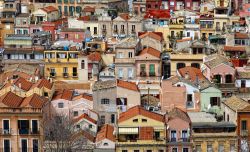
61,135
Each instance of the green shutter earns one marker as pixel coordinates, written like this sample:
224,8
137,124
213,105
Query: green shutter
152,69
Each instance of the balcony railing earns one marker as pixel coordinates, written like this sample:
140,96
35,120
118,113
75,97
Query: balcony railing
65,75
52,74
244,133
34,132
23,131
5,131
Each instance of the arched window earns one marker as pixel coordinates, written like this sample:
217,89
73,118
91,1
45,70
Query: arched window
217,78
180,65
195,65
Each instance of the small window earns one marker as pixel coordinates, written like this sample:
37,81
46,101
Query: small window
144,120
189,97
90,126
104,101
75,113
112,118
105,144
135,120
82,64
46,94
78,126
66,36
130,54
243,125
60,105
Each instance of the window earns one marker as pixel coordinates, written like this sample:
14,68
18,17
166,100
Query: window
148,150
243,84
112,118
102,119
136,150
52,72
174,149
209,148
173,135
90,126
157,135
124,150
115,28
65,70
144,120
189,97
243,125
35,145
172,33
130,73
188,34
82,64
135,120
180,65
198,148
184,135
95,30
151,70
6,126
46,94
185,150
104,26
104,101
88,28
221,147
74,72
75,113
23,127
24,145
66,36
229,78
6,145
122,28
133,28
120,73
228,117
60,105
215,101
34,124
195,65
77,36
130,54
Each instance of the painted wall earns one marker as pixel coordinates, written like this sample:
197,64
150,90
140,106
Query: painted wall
206,94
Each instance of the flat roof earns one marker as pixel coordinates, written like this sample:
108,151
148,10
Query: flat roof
200,117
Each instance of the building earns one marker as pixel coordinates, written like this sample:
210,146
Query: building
22,22
69,7
207,26
105,139
152,39
61,65
22,130
49,13
138,126
236,110
209,135
178,131
243,78
70,34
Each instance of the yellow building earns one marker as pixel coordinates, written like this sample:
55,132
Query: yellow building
61,65
210,135
207,27
176,27
221,3
140,130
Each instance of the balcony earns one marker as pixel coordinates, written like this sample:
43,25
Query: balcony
176,26
65,75
244,133
9,10
24,131
74,75
125,60
5,131
7,20
52,74
34,132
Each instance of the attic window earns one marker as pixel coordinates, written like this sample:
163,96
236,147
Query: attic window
135,120
144,120
105,144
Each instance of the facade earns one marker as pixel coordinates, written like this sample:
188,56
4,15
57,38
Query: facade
151,39
105,138
75,35
49,13
140,127
21,131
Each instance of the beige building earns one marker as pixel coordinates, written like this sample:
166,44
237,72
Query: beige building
152,39
21,121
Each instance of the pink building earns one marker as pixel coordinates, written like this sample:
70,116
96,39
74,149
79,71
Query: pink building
178,131
217,68
245,12
188,4
75,35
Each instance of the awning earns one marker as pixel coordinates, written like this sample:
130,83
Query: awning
128,130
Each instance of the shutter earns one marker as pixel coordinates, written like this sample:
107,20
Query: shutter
152,68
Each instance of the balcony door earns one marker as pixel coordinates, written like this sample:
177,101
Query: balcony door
6,145
23,126
6,126
24,145
34,126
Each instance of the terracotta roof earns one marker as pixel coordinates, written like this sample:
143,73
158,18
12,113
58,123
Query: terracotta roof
11,100
184,39
43,83
14,101
89,9
124,16
95,56
155,35
85,116
35,101
151,51
241,35
127,85
158,14
49,9
85,96
106,132
236,103
138,110
63,94
176,112
23,84
235,48
215,60
191,72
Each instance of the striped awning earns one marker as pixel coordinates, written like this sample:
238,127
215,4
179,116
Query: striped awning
128,130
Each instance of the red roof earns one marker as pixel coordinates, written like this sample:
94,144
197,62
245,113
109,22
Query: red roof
151,51
49,9
63,94
85,96
95,56
23,84
156,35
35,101
191,72
124,16
127,85
235,48
43,83
138,110
85,116
158,14
146,133
106,132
